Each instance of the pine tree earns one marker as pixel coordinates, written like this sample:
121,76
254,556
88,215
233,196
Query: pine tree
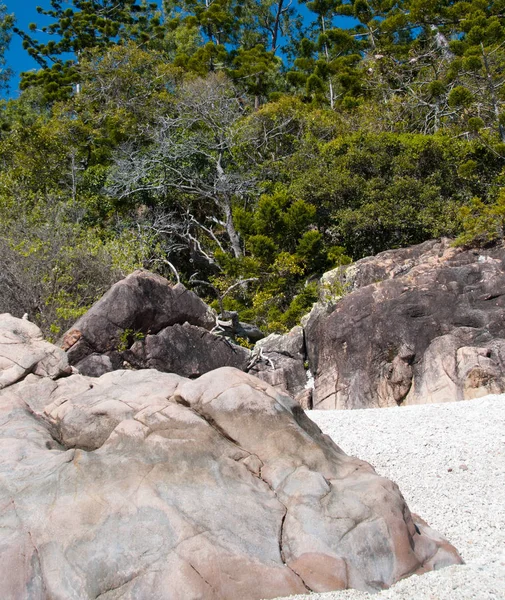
6,23
90,24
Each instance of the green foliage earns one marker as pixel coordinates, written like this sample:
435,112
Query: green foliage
262,247
128,337
124,89
385,190
192,143
286,250
460,96
482,223
89,25
54,269
254,71
244,342
6,23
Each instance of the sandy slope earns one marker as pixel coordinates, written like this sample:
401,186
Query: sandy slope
449,461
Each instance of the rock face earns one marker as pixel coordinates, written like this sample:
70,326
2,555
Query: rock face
188,351
22,351
422,324
147,322
281,363
141,484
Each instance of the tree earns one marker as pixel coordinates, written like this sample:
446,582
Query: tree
254,71
266,22
6,23
378,191
193,152
214,18
443,62
482,224
238,24
54,268
90,24
124,89
327,61
478,65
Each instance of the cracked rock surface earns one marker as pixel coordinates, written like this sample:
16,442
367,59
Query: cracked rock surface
142,484
23,351
449,461
424,324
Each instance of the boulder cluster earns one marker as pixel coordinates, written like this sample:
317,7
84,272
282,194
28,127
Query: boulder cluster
417,325
408,326
148,455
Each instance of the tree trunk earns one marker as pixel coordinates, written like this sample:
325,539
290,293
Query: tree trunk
231,231
276,26
327,55
492,93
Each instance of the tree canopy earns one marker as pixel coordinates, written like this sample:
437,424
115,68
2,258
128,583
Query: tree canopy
6,24
242,149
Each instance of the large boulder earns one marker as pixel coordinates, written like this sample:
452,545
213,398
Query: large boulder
141,484
422,324
139,304
143,321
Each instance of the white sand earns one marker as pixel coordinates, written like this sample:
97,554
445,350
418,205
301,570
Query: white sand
449,461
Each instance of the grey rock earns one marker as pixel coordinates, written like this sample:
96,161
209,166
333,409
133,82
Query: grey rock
186,350
144,322
95,365
230,326
282,362
290,344
140,304
249,332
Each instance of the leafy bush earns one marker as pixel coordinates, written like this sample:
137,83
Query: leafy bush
54,270
482,223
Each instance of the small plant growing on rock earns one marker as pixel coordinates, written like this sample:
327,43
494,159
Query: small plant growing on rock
128,338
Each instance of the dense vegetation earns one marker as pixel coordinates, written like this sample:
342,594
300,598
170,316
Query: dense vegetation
242,149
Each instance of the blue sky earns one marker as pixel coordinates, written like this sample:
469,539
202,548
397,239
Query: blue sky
17,58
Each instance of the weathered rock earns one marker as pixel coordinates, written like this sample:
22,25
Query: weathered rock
423,324
23,351
140,304
398,263
188,351
250,332
141,484
95,365
144,322
281,363
304,399
231,327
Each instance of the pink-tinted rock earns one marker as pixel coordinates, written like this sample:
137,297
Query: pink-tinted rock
144,322
142,303
142,484
23,351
